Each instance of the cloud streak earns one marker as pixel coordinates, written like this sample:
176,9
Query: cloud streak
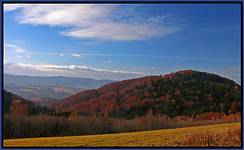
14,48
68,70
89,21
75,55
134,55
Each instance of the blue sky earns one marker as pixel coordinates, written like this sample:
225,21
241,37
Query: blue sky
121,41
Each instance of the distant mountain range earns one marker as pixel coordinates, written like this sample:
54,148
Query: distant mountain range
42,95
186,92
44,90
72,82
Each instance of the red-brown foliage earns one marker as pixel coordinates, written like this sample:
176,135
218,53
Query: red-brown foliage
146,91
218,116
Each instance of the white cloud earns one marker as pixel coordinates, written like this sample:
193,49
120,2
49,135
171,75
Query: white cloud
68,70
75,55
93,21
61,55
54,14
14,47
120,32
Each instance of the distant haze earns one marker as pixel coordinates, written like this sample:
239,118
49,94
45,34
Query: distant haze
47,89
75,82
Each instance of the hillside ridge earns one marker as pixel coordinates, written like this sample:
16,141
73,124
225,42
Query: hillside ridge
185,92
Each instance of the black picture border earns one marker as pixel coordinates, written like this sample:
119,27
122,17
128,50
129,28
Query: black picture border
120,2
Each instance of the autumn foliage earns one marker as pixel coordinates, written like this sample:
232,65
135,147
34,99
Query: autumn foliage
46,126
181,99
184,93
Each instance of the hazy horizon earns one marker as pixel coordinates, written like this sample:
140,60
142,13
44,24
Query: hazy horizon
29,75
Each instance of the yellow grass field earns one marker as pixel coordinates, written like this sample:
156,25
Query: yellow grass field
212,135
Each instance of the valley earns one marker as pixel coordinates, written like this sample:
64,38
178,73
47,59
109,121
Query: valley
44,91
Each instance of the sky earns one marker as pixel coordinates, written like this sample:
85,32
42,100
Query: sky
121,41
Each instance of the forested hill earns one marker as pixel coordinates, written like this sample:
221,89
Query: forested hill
185,92
19,106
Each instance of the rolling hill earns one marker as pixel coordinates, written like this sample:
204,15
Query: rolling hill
17,105
42,95
45,90
186,92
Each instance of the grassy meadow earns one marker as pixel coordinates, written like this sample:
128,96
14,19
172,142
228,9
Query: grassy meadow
227,135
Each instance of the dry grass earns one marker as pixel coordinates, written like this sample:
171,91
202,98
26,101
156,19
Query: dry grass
230,137
211,135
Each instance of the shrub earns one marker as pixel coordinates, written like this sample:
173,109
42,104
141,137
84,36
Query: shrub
46,126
